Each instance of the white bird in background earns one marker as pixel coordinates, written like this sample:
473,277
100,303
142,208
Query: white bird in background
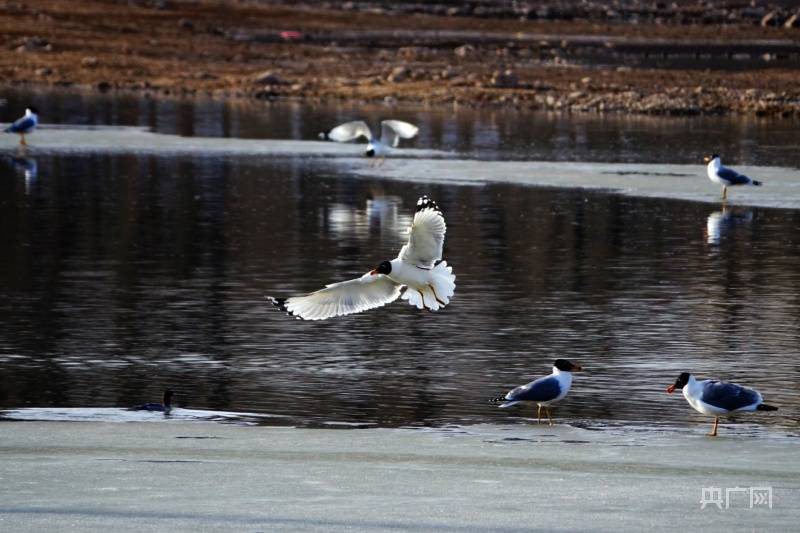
718,398
24,125
727,177
391,133
428,281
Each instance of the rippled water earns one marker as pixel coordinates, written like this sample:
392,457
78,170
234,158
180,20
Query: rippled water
123,276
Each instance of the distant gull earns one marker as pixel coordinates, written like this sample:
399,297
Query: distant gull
428,281
545,390
24,125
727,177
391,133
718,398
165,406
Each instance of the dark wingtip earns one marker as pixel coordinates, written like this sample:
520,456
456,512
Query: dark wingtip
427,203
280,303
757,183
498,400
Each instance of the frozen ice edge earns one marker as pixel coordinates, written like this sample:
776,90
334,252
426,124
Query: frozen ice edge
680,182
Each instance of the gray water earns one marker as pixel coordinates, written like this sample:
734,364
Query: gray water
123,276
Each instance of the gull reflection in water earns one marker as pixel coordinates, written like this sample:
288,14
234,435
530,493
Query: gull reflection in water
27,167
721,223
382,213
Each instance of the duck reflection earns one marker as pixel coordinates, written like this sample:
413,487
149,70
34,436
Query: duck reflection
721,223
382,213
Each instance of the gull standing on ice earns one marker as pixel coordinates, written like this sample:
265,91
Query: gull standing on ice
727,177
545,390
718,398
428,281
391,133
24,125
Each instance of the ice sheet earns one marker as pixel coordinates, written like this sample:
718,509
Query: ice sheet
124,140
686,182
144,477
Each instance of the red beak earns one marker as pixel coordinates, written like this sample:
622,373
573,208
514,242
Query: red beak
671,389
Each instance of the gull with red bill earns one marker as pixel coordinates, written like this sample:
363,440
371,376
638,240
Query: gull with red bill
418,274
718,398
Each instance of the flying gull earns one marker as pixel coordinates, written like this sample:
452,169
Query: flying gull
418,274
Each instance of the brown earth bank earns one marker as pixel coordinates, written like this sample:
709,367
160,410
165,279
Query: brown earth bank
605,56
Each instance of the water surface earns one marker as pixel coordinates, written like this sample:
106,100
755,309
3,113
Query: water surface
122,276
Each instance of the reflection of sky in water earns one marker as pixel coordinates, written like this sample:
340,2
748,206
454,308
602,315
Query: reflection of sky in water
488,133
124,275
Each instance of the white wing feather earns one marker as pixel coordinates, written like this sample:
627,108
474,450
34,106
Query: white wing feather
394,130
349,131
343,298
425,239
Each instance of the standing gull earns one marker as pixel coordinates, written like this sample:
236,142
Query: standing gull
428,281
718,398
391,133
24,125
727,177
545,390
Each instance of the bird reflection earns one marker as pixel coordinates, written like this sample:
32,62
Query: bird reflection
721,223
382,212
27,167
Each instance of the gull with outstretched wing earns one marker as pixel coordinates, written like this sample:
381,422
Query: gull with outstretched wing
391,133
418,275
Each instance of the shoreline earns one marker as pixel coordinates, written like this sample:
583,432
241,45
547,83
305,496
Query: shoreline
645,63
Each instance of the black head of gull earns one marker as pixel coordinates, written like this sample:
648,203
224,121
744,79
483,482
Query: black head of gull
681,382
566,366
718,398
545,390
370,152
384,268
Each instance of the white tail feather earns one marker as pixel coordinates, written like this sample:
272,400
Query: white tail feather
438,293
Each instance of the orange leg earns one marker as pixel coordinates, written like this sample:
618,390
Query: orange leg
714,428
